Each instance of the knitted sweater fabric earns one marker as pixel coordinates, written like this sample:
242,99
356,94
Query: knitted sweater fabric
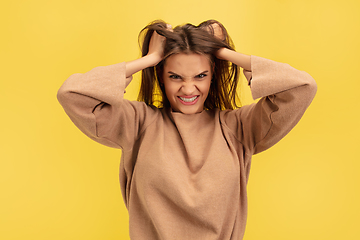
185,176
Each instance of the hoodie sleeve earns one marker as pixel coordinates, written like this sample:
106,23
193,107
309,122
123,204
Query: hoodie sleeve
285,93
94,102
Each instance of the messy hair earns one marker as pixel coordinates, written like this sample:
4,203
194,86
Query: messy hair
188,39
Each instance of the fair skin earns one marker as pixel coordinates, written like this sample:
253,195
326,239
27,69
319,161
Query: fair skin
187,79
185,87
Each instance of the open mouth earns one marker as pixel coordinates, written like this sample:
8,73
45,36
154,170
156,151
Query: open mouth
188,100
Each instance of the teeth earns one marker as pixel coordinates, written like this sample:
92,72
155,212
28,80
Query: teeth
188,99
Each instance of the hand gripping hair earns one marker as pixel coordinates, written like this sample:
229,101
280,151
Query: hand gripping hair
206,38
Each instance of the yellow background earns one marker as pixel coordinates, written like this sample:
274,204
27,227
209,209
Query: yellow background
55,183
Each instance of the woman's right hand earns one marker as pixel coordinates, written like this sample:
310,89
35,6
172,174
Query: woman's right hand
156,45
152,58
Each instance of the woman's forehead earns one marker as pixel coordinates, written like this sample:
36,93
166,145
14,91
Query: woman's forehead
187,64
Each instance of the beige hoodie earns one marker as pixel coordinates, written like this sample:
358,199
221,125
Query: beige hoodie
184,176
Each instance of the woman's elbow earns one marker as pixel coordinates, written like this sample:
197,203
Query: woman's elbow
311,86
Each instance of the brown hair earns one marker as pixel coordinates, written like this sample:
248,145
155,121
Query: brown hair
191,39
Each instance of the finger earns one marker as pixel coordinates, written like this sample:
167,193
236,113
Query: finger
217,31
169,27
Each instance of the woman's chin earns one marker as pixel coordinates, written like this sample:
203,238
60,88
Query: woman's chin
188,109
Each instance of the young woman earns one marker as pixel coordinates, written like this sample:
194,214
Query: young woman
186,146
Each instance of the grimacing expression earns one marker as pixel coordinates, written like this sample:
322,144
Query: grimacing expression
187,79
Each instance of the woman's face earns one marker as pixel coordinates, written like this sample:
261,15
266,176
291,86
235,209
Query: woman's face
187,79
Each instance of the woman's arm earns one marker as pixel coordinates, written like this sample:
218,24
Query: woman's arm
285,94
94,100
139,64
154,56
240,59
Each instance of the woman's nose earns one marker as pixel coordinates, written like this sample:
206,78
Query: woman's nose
188,87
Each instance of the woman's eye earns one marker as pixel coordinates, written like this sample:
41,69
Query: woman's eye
174,76
202,75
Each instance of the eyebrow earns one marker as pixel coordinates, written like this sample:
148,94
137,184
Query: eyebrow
206,71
